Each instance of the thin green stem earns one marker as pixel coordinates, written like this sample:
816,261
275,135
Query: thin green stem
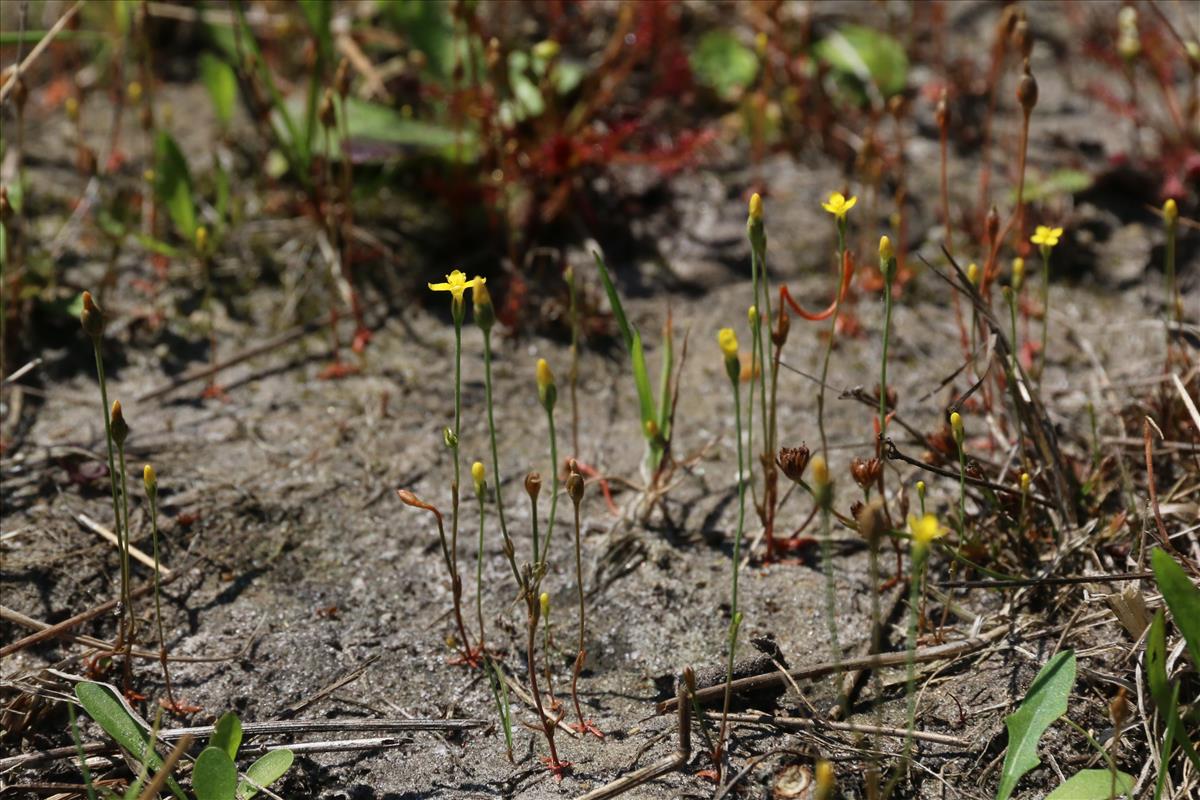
487,389
553,486
112,477
479,573
162,638
887,332
920,553
837,308
735,615
830,592
126,596
1045,305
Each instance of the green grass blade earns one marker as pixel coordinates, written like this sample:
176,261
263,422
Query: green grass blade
1164,693
664,379
614,300
173,185
1045,702
1182,597
1092,784
633,343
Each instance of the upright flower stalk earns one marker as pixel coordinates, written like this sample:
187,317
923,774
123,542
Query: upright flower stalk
575,492
456,284
120,431
548,396
838,205
1045,238
887,267
760,352
1174,307
479,478
823,494
733,368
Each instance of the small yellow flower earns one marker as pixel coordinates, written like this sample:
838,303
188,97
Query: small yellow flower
478,475
956,427
756,210
838,204
925,529
886,251
752,315
150,479
457,283
1025,481
1046,237
973,273
727,339
544,601
1018,274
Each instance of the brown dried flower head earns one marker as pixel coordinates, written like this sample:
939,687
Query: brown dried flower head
866,471
793,461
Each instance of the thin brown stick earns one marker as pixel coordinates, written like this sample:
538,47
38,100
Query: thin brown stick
164,772
848,727
38,49
1164,539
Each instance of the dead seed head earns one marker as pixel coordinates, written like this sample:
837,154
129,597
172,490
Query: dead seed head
533,485
325,112
91,317
575,488
410,499
866,471
792,461
871,521
118,426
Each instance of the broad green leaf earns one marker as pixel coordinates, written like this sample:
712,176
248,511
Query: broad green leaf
1092,784
1059,182
1182,597
265,771
868,55
228,734
214,775
724,64
1045,702
1162,690
104,705
173,185
221,82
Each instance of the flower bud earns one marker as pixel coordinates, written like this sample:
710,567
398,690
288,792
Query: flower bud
956,426
886,251
544,602
1018,274
201,238
1027,90
1025,481
341,80
547,391
117,424
752,315
546,50
727,340
756,209
992,224
783,324
150,480
575,488
91,317
921,491
973,273
1170,212
755,230
485,312
449,438
325,112
871,521
650,428
478,475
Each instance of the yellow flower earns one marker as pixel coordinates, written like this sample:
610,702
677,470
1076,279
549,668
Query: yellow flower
956,426
838,204
886,252
1046,237
478,474
1018,273
457,283
925,529
755,206
727,339
150,479
752,315
544,601
1025,481
547,391
973,273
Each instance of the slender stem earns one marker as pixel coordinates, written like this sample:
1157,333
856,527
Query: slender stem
831,592
546,648
1045,305
1012,314
837,308
735,615
573,378
112,478
920,553
126,596
162,639
582,654
1173,306
547,725
887,332
479,574
487,389
454,488
553,486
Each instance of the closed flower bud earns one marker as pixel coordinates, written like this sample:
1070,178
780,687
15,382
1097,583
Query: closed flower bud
478,475
485,312
544,602
752,315
547,391
533,485
727,340
1027,90
449,438
956,427
651,430
1170,212
150,480
201,238
755,231
117,424
91,317
973,273
921,490
546,50
756,208
1018,274
792,461
325,112
575,488
1025,481
886,251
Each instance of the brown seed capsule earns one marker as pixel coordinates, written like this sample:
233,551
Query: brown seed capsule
793,461
341,80
533,485
91,317
866,471
856,508
117,424
20,93
993,224
689,679
1027,89
783,324
942,113
575,488
325,112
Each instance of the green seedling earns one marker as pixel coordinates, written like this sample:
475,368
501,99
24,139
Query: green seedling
1045,702
1045,238
215,774
655,412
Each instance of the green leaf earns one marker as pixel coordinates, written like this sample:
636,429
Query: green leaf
724,64
228,734
221,82
1059,182
868,55
265,771
173,185
214,775
318,14
104,705
1162,690
1182,597
1092,784
429,24
1045,702
633,344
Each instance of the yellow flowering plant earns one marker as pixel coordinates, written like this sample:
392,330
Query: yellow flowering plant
1046,238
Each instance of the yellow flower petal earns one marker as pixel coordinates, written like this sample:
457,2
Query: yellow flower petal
727,339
